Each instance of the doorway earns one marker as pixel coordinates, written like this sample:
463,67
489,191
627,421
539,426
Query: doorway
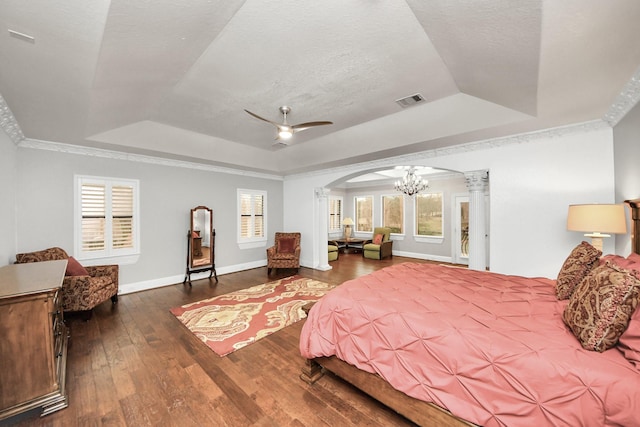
461,230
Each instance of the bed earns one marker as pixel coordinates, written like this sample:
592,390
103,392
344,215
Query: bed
450,346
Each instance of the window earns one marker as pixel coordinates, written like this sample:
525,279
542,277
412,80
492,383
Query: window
252,218
106,218
429,214
393,213
335,214
364,213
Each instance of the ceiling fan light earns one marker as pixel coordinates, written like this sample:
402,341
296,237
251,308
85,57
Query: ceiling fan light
285,133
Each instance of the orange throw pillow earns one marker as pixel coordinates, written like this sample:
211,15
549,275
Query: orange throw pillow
377,239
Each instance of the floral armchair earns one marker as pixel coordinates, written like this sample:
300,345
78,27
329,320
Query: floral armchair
285,253
83,288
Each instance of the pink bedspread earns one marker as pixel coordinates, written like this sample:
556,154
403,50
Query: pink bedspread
490,348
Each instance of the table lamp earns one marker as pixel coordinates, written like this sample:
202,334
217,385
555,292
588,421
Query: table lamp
597,219
348,223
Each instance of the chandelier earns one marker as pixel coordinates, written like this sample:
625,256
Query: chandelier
411,183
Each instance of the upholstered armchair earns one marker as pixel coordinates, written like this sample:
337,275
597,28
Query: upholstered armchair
333,249
285,253
380,246
83,288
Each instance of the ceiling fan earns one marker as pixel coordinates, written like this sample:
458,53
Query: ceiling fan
286,130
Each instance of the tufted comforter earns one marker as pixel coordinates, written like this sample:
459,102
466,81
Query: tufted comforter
491,348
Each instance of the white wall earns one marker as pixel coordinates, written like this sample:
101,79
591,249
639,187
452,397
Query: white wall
532,183
627,173
8,186
167,194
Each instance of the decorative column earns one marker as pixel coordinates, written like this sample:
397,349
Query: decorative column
321,234
477,183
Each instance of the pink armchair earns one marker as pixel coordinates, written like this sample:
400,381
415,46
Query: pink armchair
285,253
80,292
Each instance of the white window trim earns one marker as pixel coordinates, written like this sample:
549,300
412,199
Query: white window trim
427,239
339,229
251,242
404,210
109,255
355,214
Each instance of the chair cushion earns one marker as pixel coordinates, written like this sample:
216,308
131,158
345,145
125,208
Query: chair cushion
332,248
286,245
74,268
371,247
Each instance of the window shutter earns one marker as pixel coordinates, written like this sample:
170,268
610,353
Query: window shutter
93,217
122,216
245,215
259,216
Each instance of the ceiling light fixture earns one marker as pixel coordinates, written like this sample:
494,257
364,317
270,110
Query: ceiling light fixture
411,183
285,132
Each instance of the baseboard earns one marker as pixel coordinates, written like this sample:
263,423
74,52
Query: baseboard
173,280
424,256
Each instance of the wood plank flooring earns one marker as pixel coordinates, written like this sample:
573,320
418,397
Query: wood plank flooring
135,364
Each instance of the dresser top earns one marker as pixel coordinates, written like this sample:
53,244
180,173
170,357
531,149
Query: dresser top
31,278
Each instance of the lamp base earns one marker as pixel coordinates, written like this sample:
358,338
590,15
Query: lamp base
597,240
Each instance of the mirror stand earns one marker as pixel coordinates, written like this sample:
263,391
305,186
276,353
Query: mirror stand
201,240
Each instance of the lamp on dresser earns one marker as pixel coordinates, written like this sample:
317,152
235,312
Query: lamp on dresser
597,220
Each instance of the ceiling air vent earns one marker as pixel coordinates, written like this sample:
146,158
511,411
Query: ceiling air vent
410,100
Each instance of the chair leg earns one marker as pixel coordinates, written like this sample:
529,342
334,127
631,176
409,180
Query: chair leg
114,299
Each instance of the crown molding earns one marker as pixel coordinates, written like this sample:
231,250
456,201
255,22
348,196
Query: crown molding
414,158
140,158
8,122
625,101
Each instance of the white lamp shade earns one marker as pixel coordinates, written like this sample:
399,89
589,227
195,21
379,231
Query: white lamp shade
597,218
347,221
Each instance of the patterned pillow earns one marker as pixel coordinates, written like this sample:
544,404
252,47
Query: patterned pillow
601,305
577,265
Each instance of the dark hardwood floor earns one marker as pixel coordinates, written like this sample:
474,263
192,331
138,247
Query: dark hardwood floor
135,364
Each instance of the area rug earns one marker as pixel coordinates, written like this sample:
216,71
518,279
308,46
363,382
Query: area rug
229,322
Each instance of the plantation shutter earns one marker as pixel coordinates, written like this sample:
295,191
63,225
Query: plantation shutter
122,216
245,215
335,209
258,211
93,217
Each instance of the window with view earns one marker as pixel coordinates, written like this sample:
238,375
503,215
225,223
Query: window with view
393,213
252,219
364,213
106,217
429,214
335,214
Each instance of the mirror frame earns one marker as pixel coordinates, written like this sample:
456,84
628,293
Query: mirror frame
196,243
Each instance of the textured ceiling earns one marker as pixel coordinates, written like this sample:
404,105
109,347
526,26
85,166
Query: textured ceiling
172,77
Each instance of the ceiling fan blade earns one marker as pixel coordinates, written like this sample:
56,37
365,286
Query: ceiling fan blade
307,125
262,118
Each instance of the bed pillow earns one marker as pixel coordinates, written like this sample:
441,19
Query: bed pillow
74,268
601,306
628,263
629,343
577,265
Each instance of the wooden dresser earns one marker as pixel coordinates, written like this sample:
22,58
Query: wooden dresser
33,338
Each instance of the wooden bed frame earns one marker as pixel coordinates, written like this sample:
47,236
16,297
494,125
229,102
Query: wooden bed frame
418,411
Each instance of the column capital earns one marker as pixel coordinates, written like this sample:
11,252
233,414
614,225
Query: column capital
477,180
322,192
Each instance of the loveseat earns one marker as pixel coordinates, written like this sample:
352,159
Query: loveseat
83,288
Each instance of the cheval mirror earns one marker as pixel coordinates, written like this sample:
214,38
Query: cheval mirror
201,240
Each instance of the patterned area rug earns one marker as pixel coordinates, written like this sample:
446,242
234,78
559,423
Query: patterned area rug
229,322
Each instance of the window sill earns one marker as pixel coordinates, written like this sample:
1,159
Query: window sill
119,259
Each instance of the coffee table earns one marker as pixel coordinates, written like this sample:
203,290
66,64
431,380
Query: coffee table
350,245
